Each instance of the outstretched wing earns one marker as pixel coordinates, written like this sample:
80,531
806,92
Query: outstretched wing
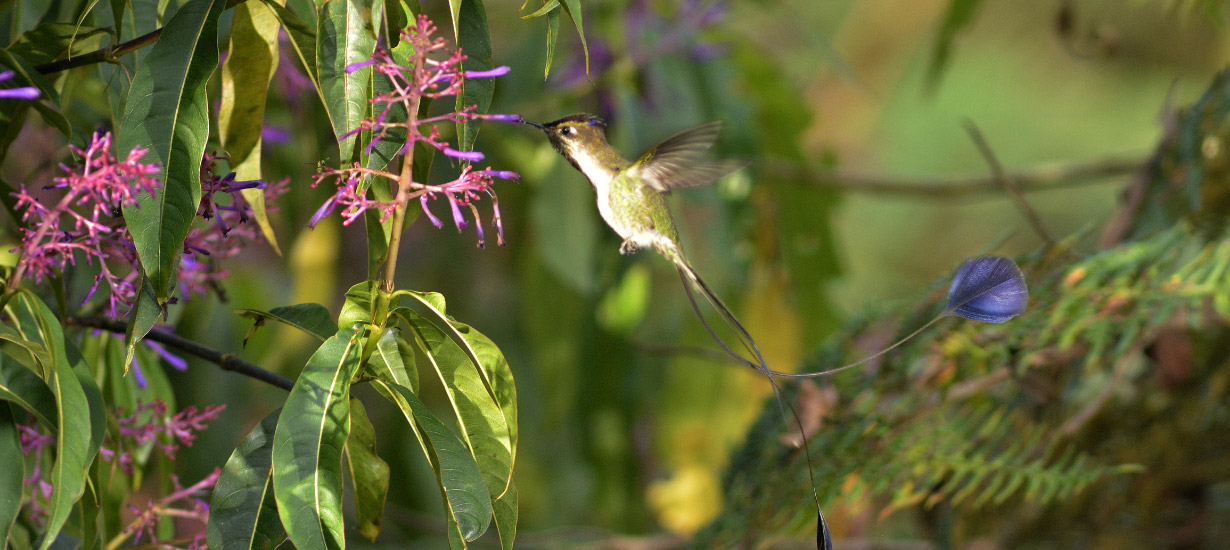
675,163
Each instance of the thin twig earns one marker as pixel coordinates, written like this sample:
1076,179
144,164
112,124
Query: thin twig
1009,184
227,361
1042,178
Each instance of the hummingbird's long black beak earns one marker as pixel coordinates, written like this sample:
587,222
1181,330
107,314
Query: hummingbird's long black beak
534,124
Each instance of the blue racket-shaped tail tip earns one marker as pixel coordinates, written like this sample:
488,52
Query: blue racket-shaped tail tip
990,289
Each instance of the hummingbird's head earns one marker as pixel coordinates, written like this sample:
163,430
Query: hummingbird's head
575,135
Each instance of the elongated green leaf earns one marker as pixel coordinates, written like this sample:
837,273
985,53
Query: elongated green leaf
506,513
167,111
249,66
552,41
343,37
482,423
573,9
474,39
394,359
313,319
308,442
492,366
73,430
368,472
302,38
52,41
546,8
26,337
22,387
12,474
243,514
144,314
465,495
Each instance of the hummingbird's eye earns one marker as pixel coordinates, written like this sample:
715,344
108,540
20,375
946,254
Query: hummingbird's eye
567,131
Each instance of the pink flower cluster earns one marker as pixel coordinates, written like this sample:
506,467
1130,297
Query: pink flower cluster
87,221
431,71
147,424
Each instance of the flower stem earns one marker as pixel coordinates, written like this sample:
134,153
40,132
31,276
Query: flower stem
405,181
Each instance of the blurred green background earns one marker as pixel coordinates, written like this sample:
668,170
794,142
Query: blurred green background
623,432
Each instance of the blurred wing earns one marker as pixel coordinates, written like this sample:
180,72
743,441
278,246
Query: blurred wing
675,163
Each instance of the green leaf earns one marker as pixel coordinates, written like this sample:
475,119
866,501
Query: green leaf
465,495
12,474
474,39
243,514
308,442
506,513
492,366
552,41
394,359
573,8
959,16
13,113
73,426
144,315
547,7
24,74
21,386
344,36
53,41
246,74
302,39
358,305
313,319
167,111
482,422
369,473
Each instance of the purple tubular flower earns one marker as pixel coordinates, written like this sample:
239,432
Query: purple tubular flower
516,119
434,220
323,212
275,134
498,71
472,156
176,362
458,219
502,174
356,66
26,92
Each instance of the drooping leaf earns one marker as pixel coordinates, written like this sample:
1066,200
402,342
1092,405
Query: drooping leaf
474,39
243,514
368,472
246,73
167,111
302,39
53,41
73,422
506,512
344,37
142,318
552,41
573,8
481,421
313,319
465,495
12,474
492,366
307,445
394,359
547,7
990,289
22,387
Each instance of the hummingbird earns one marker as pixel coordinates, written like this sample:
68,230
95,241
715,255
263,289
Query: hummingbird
631,198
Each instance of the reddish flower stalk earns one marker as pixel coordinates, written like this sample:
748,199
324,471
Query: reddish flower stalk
430,71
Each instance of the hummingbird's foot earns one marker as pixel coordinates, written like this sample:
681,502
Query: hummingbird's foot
628,247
